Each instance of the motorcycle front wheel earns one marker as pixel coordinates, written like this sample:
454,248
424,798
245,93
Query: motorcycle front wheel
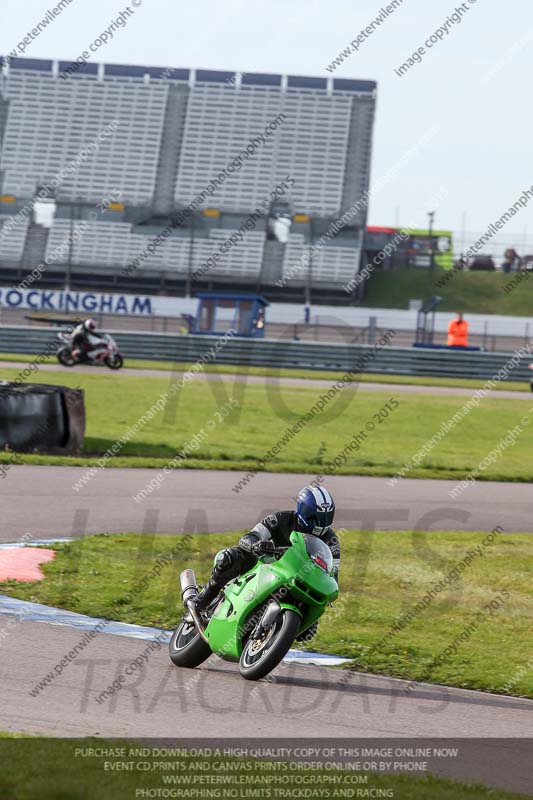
263,652
186,647
114,362
65,357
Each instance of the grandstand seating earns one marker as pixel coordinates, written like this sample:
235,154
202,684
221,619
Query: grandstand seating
116,244
331,264
12,243
173,131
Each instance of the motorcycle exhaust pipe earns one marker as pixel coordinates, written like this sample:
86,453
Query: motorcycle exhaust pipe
189,591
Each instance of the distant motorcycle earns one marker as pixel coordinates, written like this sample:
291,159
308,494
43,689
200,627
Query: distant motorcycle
530,366
105,352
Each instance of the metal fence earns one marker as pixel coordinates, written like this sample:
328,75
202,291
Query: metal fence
495,334
279,354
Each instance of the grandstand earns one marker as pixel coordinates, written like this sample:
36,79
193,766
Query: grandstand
191,159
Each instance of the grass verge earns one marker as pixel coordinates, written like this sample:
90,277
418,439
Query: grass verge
383,577
50,769
306,374
474,292
261,415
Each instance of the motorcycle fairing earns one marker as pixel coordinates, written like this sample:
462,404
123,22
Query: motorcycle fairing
294,577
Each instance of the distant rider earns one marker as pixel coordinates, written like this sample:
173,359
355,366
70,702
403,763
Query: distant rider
314,515
81,338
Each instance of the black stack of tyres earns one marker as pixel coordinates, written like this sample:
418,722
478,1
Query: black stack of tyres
41,418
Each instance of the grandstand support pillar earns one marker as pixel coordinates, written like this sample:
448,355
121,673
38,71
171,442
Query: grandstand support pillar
4,109
309,276
372,329
35,245
170,150
275,246
190,261
357,167
68,274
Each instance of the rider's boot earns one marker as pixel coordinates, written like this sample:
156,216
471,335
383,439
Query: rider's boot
229,564
207,595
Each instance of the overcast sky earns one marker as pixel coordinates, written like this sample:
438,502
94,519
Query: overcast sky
474,84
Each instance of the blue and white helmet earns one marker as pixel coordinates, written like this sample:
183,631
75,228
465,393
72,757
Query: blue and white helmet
315,509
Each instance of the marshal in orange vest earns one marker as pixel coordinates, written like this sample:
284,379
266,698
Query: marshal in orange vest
458,332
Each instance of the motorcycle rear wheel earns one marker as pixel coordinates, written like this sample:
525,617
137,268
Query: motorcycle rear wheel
261,655
65,357
186,647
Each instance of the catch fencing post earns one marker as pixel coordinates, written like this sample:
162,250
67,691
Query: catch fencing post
372,330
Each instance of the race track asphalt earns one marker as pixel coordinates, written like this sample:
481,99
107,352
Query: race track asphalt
310,383
41,501
161,700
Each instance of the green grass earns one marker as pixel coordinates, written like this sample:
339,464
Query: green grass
49,769
114,402
471,292
383,575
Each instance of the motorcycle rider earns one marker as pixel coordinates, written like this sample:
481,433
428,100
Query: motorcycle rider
315,510
81,338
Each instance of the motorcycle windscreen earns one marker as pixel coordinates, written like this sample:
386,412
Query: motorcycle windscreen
317,549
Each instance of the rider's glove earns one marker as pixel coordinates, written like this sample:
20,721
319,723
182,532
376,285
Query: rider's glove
263,548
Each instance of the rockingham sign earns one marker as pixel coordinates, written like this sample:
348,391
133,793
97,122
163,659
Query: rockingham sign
69,301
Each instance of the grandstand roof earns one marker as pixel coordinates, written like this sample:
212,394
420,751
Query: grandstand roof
197,75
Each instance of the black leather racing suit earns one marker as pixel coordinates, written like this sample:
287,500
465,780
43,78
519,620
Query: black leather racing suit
237,560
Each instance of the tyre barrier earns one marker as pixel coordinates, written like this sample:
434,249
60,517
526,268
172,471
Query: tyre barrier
37,418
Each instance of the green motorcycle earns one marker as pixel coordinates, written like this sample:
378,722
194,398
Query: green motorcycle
257,616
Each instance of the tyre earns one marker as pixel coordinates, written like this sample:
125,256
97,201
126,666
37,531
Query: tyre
65,357
114,362
261,656
186,647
